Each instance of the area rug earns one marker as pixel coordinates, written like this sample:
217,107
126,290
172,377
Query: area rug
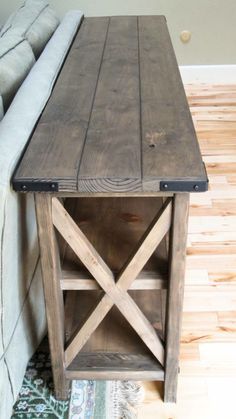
88,399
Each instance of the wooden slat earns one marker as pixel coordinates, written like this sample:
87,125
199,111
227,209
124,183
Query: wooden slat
157,375
53,295
169,145
76,280
55,148
93,262
111,160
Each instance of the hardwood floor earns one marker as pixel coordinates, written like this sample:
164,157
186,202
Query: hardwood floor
207,380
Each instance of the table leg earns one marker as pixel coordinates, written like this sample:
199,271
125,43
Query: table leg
175,293
53,295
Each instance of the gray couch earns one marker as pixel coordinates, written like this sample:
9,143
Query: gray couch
22,315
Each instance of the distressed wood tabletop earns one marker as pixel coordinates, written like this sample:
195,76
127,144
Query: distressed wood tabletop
117,119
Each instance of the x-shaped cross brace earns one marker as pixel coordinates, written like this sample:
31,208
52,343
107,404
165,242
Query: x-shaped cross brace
115,291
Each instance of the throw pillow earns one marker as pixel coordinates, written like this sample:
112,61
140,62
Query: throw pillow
16,60
36,21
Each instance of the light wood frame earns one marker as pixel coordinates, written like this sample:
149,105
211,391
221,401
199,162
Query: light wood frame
173,216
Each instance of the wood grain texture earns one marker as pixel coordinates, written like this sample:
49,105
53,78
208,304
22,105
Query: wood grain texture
59,137
117,120
175,294
111,158
53,295
114,367
169,142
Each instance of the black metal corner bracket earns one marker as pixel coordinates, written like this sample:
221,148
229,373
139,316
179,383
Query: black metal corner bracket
37,186
184,186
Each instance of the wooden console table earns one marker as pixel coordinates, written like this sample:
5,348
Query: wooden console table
111,162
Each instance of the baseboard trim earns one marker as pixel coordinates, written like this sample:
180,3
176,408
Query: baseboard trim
210,74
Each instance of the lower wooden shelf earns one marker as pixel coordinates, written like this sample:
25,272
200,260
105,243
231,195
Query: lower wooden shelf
114,366
114,350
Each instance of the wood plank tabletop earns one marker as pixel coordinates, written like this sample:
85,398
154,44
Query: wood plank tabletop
118,118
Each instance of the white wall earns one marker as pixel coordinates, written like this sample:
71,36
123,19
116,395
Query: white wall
212,23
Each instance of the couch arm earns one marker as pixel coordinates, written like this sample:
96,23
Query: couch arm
26,107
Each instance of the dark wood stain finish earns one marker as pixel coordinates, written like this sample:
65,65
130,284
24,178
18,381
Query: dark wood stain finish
118,119
111,158
55,148
170,148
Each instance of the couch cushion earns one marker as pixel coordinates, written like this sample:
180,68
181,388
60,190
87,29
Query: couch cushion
1,108
36,21
16,60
